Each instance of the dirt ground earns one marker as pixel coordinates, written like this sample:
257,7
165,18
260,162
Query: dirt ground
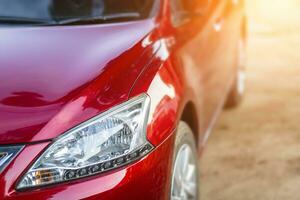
254,152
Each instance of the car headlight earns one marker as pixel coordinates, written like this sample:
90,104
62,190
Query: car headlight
106,142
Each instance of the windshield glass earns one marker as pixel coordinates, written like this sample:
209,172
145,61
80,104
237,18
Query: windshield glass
68,10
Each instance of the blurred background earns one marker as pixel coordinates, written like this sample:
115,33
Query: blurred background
254,153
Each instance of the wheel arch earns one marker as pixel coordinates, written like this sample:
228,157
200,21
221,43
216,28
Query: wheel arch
190,116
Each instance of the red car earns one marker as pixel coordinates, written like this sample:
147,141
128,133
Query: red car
113,99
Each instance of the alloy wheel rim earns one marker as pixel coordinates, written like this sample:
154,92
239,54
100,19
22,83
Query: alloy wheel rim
241,78
241,75
184,179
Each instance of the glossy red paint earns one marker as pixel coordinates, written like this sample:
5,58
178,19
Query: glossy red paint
54,78
146,179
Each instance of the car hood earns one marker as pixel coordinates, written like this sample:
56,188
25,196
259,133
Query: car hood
53,78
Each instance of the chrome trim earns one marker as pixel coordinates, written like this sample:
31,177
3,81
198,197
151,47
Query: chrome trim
7,154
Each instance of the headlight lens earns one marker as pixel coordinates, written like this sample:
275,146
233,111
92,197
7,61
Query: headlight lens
105,142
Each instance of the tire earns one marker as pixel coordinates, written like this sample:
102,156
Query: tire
237,91
185,177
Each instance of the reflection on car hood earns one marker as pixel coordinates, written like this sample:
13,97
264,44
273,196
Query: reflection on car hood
44,68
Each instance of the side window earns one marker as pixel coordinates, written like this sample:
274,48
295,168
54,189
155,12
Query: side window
178,12
184,10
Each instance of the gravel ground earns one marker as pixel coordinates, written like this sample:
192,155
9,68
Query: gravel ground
254,152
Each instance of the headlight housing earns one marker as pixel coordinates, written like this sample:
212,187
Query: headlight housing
106,142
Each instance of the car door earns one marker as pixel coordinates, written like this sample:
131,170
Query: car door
205,51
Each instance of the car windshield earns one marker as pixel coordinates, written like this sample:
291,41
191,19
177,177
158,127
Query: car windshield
74,11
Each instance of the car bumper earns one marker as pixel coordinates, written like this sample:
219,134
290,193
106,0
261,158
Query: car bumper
146,179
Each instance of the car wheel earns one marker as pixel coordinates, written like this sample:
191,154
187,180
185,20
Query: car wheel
237,91
185,171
